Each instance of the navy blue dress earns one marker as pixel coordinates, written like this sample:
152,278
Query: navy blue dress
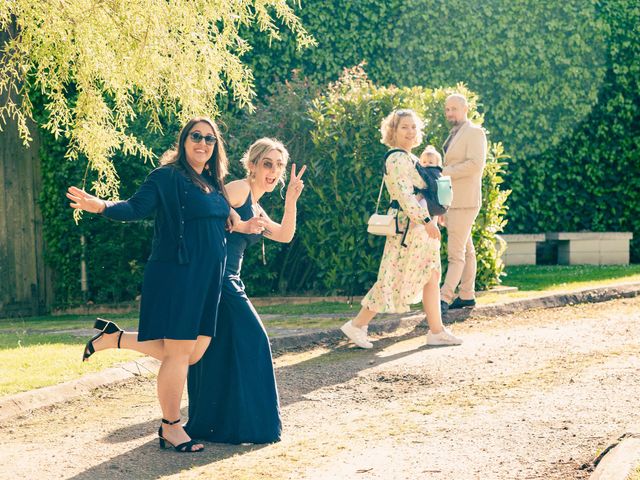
233,396
183,277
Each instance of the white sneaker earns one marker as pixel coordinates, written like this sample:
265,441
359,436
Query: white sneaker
356,335
445,337
365,329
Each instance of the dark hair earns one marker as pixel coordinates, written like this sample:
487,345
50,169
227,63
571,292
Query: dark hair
216,167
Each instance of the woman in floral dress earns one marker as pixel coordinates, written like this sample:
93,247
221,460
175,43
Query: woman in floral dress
410,266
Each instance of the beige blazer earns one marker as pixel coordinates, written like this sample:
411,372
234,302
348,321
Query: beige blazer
464,162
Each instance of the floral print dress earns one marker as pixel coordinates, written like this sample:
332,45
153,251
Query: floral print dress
404,270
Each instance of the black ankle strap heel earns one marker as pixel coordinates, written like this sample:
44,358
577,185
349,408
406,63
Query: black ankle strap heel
105,327
186,447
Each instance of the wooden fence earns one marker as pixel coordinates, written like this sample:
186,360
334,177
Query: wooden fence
25,281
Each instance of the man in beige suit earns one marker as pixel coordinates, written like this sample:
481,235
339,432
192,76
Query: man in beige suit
464,160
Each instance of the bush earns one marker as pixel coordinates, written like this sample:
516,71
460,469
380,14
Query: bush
282,115
346,170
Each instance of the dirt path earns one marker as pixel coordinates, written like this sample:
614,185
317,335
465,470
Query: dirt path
527,396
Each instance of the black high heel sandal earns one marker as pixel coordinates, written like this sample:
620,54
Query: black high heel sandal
186,447
105,326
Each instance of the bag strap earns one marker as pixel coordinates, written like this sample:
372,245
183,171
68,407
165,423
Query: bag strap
384,173
380,194
388,154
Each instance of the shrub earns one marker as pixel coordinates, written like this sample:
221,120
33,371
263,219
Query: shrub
282,115
346,169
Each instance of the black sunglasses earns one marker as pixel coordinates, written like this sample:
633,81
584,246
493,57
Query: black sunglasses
196,137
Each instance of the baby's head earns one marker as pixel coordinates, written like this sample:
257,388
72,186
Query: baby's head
430,157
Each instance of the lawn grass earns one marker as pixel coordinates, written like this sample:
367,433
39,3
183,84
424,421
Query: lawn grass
36,351
41,351
54,361
304,322
535,280
310,308
557,277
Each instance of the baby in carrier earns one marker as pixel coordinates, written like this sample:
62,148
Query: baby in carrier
436,196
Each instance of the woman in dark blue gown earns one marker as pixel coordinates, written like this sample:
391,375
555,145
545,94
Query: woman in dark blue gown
183,277
233,396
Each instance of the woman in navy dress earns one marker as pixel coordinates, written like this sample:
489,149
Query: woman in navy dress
233,396
183,277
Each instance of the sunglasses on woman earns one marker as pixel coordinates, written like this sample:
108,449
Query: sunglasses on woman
196,137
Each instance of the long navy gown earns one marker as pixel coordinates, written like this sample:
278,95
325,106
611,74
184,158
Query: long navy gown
233,396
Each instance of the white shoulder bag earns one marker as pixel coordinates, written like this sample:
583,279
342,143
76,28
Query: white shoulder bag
385,225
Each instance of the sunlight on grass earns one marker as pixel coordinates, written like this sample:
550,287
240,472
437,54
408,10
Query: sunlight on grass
534,281
554,277
310,308
35,366
304,322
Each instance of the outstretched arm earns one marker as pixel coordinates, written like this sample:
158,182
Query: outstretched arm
81,200
284,231
141,205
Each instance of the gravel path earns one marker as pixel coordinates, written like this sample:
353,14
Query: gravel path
535,395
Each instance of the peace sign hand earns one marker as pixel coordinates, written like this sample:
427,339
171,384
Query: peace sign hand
82,200
294,189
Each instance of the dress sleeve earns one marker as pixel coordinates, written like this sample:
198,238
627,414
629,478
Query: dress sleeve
142,204
399,180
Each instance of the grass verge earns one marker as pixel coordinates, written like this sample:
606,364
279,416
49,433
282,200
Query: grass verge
41,351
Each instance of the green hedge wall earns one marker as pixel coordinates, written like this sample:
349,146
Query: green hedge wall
560,86
558,80
591,181
538,65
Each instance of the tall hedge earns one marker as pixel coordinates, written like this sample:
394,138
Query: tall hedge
559,83
591,181
539,65
560,86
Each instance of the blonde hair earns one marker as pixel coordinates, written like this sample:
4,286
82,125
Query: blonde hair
430,151
259,149
390,124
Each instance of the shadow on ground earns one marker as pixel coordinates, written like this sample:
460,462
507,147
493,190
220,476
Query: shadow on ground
295,382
